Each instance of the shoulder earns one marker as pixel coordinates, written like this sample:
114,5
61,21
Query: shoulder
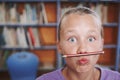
54,75
107,74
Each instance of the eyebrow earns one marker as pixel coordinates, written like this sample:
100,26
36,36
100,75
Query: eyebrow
70,31
91,31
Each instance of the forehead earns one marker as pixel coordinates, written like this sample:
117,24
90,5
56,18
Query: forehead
84,21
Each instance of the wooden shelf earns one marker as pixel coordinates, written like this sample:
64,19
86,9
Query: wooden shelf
110,46
93,1
27,0
29,25
110,24
28,48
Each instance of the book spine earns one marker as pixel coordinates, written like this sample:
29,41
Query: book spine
31,36
21,37
44,13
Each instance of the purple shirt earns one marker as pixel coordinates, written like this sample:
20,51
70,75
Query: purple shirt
57,75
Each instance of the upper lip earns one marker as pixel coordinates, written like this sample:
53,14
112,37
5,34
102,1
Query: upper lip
83,58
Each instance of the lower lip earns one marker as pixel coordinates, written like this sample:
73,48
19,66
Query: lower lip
83,61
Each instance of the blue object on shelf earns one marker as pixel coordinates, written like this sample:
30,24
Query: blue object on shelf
22,66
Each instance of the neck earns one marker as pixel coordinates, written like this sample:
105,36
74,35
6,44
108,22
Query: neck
92,74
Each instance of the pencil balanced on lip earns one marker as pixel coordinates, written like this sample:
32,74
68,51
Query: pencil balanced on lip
84,54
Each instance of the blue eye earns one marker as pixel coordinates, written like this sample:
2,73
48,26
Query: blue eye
72,39
91,39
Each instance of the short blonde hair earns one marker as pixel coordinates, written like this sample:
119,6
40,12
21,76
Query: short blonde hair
80,11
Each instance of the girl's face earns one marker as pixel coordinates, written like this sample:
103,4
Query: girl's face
80,33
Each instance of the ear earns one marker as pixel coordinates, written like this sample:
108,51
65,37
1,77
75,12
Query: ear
59,47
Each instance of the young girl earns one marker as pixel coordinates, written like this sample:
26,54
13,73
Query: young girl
80,41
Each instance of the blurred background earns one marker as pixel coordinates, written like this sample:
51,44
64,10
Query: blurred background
31,25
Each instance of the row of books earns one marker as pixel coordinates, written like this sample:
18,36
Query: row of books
22,13
19,37
35,13
100,8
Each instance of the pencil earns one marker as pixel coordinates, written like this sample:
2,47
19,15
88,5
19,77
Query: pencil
84,54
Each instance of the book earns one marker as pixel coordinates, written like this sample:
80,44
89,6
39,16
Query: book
13,13
26,37
2,41
23,18
34,14
98,9
7,15
28,13
21,13
4,33
41,18
2,13
9,35
29,40
13,35
104,13
32,38
21,38
44,13
36,36
20,7
39,14
80,5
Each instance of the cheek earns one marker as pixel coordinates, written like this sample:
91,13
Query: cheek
67,48
70,61
94,59
97,46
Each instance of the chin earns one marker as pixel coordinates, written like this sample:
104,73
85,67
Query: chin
82,69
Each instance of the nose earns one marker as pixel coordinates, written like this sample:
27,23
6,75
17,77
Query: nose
82,48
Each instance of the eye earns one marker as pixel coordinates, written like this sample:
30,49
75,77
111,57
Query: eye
91,39
72,39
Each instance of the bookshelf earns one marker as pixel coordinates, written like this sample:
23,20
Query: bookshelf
48,32
47,47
